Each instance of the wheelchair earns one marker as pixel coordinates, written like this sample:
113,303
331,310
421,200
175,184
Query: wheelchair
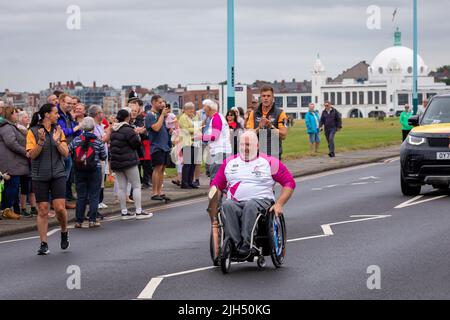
268,238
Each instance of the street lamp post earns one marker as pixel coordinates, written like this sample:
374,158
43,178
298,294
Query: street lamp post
230,77
415,96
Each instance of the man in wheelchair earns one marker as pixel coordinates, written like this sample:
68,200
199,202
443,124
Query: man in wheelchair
249,178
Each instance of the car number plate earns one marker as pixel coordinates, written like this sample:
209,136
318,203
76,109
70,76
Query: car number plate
443,155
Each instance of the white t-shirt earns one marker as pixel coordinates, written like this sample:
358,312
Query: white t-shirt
246,180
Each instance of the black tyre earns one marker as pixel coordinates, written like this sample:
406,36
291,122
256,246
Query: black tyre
277,239
261,262
407,189
225,257
215,256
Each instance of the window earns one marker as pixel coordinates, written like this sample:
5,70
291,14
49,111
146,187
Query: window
354,97
377,97
279,102
347,98
403,99
333,98
361,97
339,98
293,115
325,97
306,100
383,97
370,97
292,102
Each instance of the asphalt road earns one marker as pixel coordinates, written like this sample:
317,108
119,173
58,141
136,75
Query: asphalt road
340,224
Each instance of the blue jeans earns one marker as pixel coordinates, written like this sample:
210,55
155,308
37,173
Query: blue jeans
11,192
314,138
88,188
68,163
329,134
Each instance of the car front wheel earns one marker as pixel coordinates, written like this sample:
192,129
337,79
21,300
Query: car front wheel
407,189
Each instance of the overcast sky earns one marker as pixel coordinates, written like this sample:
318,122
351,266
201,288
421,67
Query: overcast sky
179,41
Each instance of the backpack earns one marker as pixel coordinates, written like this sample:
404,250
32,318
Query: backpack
85,155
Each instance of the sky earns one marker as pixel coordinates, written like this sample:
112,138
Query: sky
148,43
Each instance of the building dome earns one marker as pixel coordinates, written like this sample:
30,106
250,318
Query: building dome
397,58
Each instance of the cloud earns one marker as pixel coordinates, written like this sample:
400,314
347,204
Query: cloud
174,41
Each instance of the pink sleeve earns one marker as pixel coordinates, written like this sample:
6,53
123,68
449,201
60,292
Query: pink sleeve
216,125
220,180
280,173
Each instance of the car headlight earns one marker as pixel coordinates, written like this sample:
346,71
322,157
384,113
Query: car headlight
416,141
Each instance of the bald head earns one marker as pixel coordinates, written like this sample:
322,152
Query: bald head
248,145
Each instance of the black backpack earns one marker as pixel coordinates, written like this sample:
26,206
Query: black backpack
85,155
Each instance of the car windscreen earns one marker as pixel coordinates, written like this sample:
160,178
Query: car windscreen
437,112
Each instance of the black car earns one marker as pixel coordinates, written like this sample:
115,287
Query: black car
425,154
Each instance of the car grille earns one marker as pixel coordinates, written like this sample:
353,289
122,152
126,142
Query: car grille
438,142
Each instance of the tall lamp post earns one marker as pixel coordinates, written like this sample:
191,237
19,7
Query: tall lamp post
415,96
230,76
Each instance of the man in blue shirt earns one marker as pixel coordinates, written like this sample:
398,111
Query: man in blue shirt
71,130
160,147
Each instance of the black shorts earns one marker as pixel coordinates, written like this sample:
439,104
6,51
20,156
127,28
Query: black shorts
25,185
160,158
55,188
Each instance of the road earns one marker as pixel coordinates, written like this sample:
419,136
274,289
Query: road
340,225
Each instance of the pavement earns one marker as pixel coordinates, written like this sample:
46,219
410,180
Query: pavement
299,167
351,235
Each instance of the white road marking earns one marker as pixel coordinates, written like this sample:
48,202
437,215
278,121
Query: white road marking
369,178
413,201
114,218
359,183
163,207
331,186
151,287
327,231
337,171
391,160
316,189
30,238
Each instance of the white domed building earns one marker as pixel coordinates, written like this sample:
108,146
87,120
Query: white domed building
383,87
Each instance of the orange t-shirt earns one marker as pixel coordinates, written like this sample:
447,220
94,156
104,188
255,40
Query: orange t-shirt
31,140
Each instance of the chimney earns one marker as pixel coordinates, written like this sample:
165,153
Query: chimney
67,84
94,85
293,80
50,85
71,85
59,83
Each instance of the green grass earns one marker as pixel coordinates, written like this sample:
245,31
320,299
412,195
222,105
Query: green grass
356,134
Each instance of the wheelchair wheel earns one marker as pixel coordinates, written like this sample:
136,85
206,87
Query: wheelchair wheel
277,239
225,258
214,252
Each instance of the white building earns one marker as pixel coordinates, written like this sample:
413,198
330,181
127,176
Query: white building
387,88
